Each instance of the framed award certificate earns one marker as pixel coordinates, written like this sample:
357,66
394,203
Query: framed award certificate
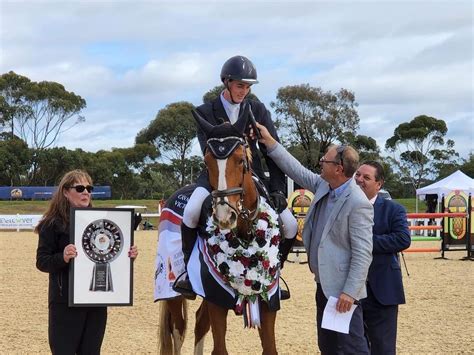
102,272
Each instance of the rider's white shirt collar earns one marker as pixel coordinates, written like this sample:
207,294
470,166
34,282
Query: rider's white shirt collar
232,110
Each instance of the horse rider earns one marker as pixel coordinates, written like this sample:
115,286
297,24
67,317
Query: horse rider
238,74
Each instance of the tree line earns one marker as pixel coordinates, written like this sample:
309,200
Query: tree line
309,119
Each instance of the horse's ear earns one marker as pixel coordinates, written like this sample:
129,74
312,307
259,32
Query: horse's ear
205,126
242,120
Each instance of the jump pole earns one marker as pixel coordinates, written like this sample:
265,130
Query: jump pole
422,250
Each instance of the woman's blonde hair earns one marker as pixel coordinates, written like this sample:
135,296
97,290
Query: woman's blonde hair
59,207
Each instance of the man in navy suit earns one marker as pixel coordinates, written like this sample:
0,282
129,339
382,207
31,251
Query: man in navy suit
384,281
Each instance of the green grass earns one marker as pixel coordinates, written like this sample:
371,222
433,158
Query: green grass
410,204
39,207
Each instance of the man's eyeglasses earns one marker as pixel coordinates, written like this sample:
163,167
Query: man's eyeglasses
81,188
340,154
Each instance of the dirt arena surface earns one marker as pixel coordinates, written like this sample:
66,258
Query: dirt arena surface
437,319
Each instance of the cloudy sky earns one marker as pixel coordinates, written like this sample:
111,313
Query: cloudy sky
129,59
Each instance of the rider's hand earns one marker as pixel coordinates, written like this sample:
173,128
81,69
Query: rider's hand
279,201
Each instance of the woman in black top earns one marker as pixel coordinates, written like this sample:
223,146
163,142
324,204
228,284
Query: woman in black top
71,330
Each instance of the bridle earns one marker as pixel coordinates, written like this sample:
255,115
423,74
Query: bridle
222,148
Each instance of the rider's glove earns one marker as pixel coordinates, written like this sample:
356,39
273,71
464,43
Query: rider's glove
279,201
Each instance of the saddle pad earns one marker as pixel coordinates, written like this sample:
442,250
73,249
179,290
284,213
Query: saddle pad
169,262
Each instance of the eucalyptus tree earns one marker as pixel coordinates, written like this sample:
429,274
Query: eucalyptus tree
419,146
172,131
38,112
15,160
314,119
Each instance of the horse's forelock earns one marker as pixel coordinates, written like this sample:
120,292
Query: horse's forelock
248,152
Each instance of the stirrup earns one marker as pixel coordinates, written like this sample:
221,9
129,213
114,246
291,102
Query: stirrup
183,286
284,294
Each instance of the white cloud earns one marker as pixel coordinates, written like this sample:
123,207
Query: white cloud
129,59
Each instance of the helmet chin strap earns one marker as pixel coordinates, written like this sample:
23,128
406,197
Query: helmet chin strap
226,85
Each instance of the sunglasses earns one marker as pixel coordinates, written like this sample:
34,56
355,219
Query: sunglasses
340,153
81,188
323,160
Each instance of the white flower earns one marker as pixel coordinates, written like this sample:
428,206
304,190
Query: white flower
212,241
221,258
224,246
236,268
252,274
253,248
262,224
273,255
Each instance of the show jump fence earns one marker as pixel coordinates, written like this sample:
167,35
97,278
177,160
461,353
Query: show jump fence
453,227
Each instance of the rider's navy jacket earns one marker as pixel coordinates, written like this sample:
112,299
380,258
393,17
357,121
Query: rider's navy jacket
215,114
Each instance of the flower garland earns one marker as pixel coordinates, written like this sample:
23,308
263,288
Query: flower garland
249,267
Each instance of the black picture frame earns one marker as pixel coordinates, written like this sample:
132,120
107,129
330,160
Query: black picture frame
102,272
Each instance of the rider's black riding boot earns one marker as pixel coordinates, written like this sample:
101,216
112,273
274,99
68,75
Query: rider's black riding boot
284,249
188,238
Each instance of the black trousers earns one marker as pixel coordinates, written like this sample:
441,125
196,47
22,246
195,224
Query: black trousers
331,342
76,330
381,324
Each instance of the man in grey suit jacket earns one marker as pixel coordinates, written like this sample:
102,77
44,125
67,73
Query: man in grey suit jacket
337,235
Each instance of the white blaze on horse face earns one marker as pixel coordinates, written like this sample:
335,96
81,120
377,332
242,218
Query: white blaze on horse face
221,182
223,212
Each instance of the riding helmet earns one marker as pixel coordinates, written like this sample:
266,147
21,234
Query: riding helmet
239,68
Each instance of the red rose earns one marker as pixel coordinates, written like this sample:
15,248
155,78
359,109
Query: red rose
245,261
260,233
266,264
247,282
275,240
215,249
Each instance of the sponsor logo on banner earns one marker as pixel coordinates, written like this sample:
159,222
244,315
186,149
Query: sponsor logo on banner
19,221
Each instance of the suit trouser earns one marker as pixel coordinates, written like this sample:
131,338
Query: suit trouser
381,324
331,342
76,330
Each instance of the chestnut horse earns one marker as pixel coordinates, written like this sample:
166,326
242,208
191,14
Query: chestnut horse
235,207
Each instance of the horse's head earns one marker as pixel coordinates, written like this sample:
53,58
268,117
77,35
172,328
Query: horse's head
228,162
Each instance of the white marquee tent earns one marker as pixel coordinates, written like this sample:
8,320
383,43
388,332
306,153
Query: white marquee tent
456,181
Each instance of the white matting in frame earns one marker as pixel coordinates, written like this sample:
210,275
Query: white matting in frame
102,272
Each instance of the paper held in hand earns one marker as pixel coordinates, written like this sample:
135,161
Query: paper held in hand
333,320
